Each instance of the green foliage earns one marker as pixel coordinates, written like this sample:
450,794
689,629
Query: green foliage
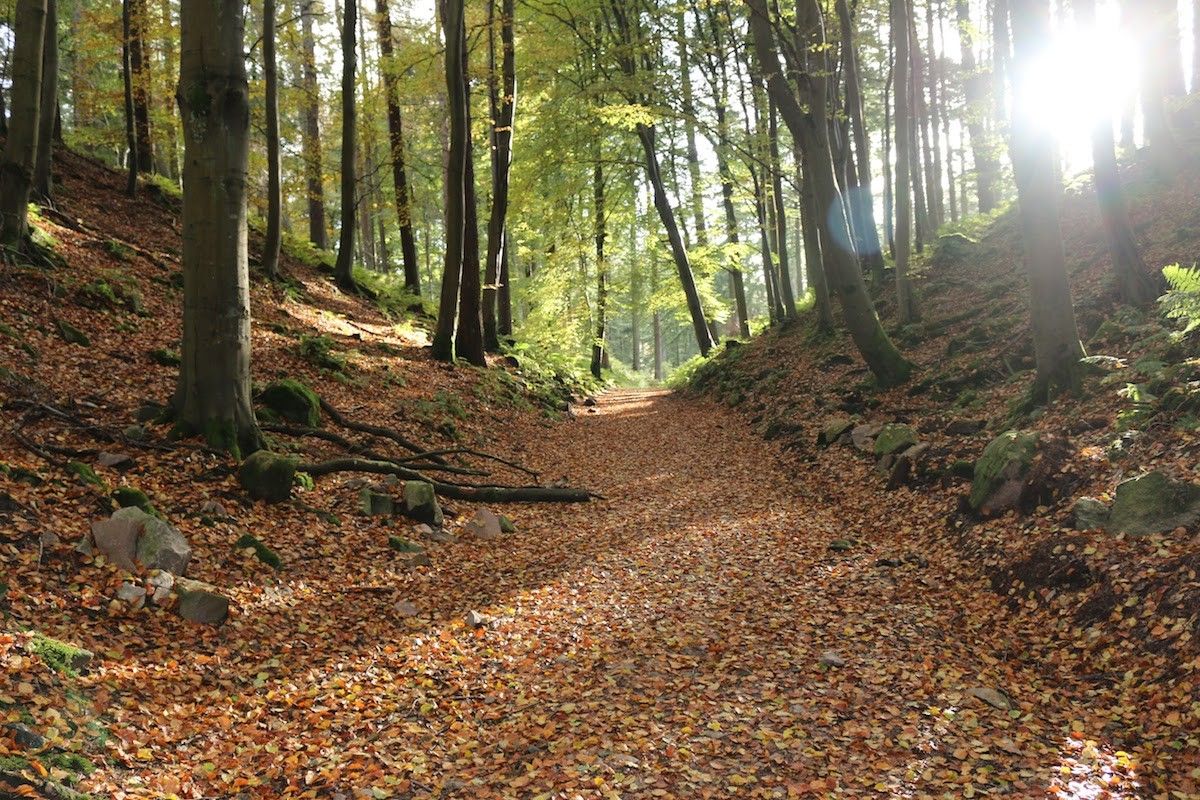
304,251
59,656
1182,301
318,351
86,474
166,357
441,412
264,553
552,376
389,293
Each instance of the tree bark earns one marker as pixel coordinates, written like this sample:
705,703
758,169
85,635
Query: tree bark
598,344
1034,157
311,138
43,184
737,282
906,305
889,230
469,334
171,68
139,65
497,302
133,167
926,76
456,163
1152,21
20,150
786,296
689,123
812,134
212,396
814,259
343,268
976,112
271,245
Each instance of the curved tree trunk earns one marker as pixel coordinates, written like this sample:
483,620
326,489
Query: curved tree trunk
1034,157
212,397
271,244
43,183
20,149
310,141
812,134
343,268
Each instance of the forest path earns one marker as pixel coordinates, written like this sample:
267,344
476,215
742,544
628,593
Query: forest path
665,642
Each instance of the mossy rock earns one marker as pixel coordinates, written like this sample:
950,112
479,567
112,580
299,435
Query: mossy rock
952,248
70,334
375,504
421,504
1153,503
507,525
166,357
130,497
24,474
60,656
402,545
86,474
264,553
268,476
894,438
999,473
834,430
293,401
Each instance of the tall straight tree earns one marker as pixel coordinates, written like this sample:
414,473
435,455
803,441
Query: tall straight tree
811,130
403,192
47,107
1152,23
273,238
502,99
976,111
310,140
212,397
139,67
601,234
1133,279
456,167
343,268
906,304
468,335
1035,164
20,149
132,165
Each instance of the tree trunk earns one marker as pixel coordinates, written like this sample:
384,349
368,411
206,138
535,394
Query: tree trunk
139,65
502,101
976,112
889,231
906,305
212,397
927,81
598,344
403,193
764,240
171,158
786,296
635,299
683,266
737,283
1152,21
43,184
456,209
20,149
469,335
1035,164
1001,59
272,241
127,80
863,197
812,134
689,122
813,256
311,138
343,268
656,319
944,82
1133,279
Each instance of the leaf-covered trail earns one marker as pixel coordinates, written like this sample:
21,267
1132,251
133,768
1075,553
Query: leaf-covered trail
666,642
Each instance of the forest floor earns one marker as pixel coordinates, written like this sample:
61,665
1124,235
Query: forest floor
737,617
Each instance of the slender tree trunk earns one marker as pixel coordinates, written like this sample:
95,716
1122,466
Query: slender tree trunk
944,81
917,185
886,156
1001,58
456,167
812,134
496,295
635,298
139,64
930,117
689,122
271,244
43,184
212,397
737,283
766,203
171,159
1133,280
20,149
1152,22
127,80
1034,156
311,138
656,319
924,181
468,337
599,344
764,228
906,305
814,258
976,112
403,193
786,296
863,196
683,266
343,268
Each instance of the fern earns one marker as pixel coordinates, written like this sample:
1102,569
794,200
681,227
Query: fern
1182,301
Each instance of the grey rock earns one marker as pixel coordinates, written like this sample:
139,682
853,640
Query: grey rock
832,659
161,546
421,504
117,460
1153,503
212,508
1000,472
375,504
25,737
201,602
833,430
131,593
422,530
419,560
405,608
485,526
117,536
841,545
863,436
993,697
268,476
1090,514
85,547
49,539
893,438
474,619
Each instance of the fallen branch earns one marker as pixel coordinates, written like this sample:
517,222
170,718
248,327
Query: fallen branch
454,491
374,430
366,452
466,451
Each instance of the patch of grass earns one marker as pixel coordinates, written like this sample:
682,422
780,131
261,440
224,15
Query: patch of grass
86,474
318,351
441,412
63,658
304,251
118,250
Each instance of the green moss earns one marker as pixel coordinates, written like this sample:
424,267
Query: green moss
86,474
70,334
13,764
19,473
402,545
318,350
893,438
59,656
166,357
118,250
294,401
131,497
70,762
268,476
1005,457
264,553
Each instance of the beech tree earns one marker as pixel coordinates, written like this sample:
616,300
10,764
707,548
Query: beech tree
906,304
343,268
212,397
271,245
20,149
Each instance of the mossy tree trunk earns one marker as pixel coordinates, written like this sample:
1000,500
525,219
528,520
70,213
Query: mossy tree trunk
274,190
1039,194
811,133
212,396
43,184
20,150
343,268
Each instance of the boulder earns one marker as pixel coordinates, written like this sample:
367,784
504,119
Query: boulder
130,497
402,545
893,438
507,525
375,504
120,461
132,593
201,602
421,504
485,525
993,697
1153,503
268,476
833,430
904,468
161,546
832,659
964,427
1090,514
474,619
999,479
292,400
863,437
